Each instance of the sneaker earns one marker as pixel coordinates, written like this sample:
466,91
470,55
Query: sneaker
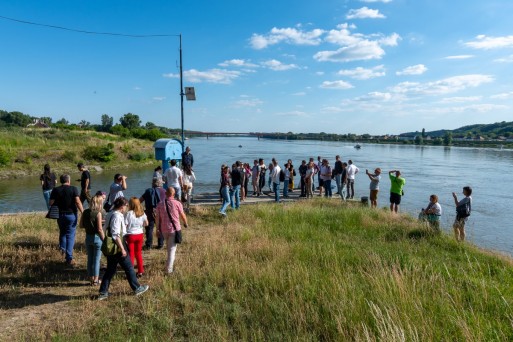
103,296
141,289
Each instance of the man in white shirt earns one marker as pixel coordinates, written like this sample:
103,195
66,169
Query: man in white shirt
275,177
352,170
174,179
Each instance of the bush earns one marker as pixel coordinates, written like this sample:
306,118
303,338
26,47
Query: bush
139,156
68,156
5,157
101,154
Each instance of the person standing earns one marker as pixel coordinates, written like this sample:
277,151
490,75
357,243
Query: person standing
151,198
135,220
286,180
225,189
255,173
326,178
236,184
48,182
188,183
302,174
169,213
337,173
463,210
343,181
270,168
174,178
309,176
292,174
92,221
66,197
275,177
115,224
396,189
261,171
319,178
374,186
85,184
247,172
187,159
157,172
352,170
116,189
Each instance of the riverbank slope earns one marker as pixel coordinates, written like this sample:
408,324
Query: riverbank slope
316,270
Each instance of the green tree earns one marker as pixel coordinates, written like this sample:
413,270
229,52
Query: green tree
107,123
130,121
448,139
419,140
150,125
423,133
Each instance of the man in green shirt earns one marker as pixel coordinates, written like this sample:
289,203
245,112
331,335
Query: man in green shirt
396,189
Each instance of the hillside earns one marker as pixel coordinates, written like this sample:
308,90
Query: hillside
487,131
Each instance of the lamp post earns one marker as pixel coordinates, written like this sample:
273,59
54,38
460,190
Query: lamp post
189,94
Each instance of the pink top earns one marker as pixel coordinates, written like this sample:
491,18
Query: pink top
175,209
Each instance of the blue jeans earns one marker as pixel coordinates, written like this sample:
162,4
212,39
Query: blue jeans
112,264
149,233
235,193
225,193
67,229
276,189
46,195
93,245
338,180
286,188
327,188
178,192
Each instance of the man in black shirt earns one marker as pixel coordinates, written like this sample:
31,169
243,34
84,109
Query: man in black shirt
302,173
337,173
67,199
187,159
85,184
236,183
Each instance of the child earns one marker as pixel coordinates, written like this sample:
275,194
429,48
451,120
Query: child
463,209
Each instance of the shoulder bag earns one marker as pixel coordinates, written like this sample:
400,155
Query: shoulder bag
178,233
109,246
53,212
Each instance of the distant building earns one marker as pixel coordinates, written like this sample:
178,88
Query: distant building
38,123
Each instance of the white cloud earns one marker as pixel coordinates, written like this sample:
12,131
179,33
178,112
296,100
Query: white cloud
301,93
137,88
360,73
319,73
476,108
383,1
418,69
508,59
503,96
276,65
336,85
461,99
364,13
458,57
219,76
238,63
246,102
158,98
375,96
444,86
295,113
486,43
288,35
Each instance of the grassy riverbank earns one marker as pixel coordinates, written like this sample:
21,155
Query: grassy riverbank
317,271
24,151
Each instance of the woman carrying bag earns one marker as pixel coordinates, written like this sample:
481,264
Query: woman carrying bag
115,228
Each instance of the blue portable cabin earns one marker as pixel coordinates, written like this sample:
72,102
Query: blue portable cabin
167,150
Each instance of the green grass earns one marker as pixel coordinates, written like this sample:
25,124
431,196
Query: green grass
317,270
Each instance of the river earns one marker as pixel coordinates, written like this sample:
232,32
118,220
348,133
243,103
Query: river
428,170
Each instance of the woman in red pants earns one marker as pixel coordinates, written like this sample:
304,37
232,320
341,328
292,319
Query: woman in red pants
135,221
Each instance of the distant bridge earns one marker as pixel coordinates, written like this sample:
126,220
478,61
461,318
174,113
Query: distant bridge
231,134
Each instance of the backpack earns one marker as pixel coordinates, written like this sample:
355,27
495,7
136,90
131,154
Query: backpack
463,210
282,176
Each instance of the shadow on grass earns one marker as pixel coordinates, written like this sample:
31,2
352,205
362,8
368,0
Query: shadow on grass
18,301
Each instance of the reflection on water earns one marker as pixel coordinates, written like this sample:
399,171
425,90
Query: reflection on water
427,169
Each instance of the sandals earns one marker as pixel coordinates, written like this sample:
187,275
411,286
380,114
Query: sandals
96,283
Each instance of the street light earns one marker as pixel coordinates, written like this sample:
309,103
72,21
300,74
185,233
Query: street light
189,93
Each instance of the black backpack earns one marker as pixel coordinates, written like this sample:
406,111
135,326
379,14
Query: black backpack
282,176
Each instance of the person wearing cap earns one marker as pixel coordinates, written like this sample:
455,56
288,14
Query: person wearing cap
85,184
374,186
116,189
151,198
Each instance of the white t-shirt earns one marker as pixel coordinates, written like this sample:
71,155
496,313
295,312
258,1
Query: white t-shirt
275,175
117,224
134,225
352,170
173,175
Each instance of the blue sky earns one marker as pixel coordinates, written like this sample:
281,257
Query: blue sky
373,66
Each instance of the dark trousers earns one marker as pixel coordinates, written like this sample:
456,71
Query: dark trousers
149,235
303,187
261,182
126,265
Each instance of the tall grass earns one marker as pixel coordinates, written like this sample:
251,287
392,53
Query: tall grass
319,270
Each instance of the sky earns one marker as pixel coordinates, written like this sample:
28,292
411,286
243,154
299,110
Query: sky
359,66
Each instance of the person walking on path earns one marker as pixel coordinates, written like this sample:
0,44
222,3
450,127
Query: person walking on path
174,178
396,189
115,223
463,210
92,221
66,197
169,213
151,198
275,176
225,189
352,170
135,221
48,182
374,186
85,184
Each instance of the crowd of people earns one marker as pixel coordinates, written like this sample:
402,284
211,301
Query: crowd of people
132,222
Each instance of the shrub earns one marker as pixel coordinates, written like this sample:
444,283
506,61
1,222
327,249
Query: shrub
139,156
102,154
68,156
5,157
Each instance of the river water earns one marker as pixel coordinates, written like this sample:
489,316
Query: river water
428,170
